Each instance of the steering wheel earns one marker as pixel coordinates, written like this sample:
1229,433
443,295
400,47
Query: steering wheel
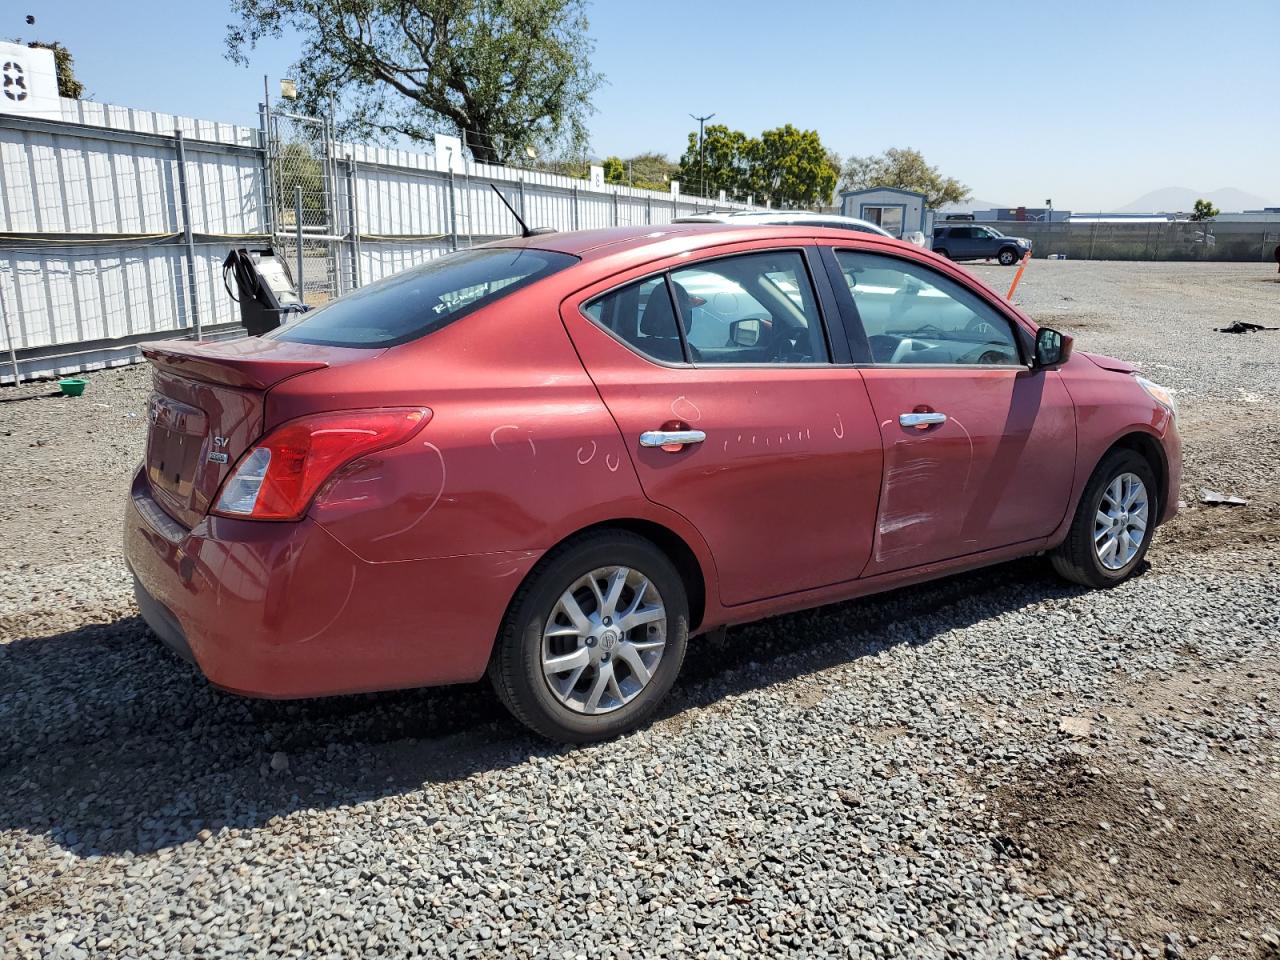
980,326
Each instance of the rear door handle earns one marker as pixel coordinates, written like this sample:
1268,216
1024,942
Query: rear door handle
921,419
671,438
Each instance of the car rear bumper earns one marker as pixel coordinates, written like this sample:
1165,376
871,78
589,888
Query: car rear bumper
285,610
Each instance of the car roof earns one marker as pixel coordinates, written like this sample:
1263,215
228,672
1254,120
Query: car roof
595,244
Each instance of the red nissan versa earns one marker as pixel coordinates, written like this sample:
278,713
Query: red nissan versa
554,459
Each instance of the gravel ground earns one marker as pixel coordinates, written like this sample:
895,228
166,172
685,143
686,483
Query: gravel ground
996,765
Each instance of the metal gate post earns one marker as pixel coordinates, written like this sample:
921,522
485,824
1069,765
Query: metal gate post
193,308
648,209
268,187
522,213
615,208
353,217
453,211
297,224
575,206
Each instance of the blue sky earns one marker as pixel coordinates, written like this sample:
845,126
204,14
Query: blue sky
1089,103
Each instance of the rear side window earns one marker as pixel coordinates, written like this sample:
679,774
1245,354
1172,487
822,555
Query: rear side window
641,314
423,299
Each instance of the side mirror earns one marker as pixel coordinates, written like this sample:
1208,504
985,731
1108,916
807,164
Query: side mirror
745,333
1052,347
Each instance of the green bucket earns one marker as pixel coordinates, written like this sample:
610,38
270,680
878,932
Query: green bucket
73,386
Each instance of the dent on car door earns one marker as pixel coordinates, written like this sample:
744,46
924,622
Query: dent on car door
979,449
779,459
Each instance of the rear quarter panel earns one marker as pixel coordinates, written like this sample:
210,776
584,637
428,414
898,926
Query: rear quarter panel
520,451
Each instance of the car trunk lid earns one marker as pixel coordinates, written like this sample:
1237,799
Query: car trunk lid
206,409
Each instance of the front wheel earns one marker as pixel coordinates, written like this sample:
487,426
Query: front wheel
1113,524
942,252
1008,257
594,638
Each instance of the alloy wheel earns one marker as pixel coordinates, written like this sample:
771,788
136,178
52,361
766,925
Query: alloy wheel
603,640
1120,525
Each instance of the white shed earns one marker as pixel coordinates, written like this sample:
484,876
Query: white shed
897,211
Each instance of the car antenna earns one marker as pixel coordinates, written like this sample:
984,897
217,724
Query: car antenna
524,227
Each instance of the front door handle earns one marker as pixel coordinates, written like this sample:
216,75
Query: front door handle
921,419
671,438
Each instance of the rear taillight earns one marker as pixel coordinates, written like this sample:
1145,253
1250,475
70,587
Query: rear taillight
280,474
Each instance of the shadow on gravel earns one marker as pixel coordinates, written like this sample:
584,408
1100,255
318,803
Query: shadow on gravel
108,743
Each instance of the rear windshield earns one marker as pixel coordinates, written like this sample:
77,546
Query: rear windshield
423,299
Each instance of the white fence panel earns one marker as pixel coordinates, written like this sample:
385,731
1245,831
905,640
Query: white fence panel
97,257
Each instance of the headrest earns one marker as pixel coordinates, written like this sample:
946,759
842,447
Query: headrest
658,319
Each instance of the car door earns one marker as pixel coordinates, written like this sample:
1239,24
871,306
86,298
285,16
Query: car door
979,447
985,244
736,412
961,244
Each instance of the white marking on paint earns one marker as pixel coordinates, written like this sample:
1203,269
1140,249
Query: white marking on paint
334,619
689,410
838,429
969,470
590,456
444,473
493,434
612,462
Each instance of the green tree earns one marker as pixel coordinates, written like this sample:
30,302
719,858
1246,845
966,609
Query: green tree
1204,210
64,63
790,168
504,74
904,169
298,166
615,170
650,171
727,155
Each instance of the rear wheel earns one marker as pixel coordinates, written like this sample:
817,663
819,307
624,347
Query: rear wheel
1113,524
1008,257
593,640
942,252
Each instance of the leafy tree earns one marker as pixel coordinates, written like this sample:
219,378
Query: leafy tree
64,63
786,166
504,74
789,167
727,156
615,171
645,171
1204,210
905,169
297,166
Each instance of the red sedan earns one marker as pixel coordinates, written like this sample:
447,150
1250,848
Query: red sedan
555,459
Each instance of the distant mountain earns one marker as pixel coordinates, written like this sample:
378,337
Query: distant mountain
969,206
1179,199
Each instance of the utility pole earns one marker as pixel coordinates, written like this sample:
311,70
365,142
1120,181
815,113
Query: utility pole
702,157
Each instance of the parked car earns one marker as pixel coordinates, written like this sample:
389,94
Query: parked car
790,218
554,459
970,242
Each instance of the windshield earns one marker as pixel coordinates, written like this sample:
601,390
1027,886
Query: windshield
422,299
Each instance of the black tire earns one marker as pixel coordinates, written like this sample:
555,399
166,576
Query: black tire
1075,558
1008,257
515,668
942,252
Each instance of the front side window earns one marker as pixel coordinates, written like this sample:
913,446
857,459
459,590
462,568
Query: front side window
914,315
751,308
422,299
